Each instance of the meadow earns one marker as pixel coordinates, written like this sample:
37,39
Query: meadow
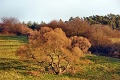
9,45
11,68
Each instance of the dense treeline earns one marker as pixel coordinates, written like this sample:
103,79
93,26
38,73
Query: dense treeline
112,20
97,29
98,34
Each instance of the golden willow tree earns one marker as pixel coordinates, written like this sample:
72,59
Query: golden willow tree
51,48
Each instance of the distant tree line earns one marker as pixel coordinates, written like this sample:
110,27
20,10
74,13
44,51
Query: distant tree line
97,29
112,20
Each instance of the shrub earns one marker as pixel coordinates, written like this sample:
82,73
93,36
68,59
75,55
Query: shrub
11,26
81,42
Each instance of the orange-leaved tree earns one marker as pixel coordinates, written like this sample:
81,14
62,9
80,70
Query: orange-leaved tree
11,26
52,49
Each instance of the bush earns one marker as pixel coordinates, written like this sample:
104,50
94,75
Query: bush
81,42
11,26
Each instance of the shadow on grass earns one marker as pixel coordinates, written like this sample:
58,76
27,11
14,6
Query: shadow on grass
7,63
103,59
23,39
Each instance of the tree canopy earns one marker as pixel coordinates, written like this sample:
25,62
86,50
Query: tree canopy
52,48
109,19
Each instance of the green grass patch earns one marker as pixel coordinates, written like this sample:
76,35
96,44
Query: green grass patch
18,38
9,45
103,68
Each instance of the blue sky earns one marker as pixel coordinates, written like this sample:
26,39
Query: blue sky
47,10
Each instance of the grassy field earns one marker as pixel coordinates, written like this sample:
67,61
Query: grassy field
9,44
11,68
